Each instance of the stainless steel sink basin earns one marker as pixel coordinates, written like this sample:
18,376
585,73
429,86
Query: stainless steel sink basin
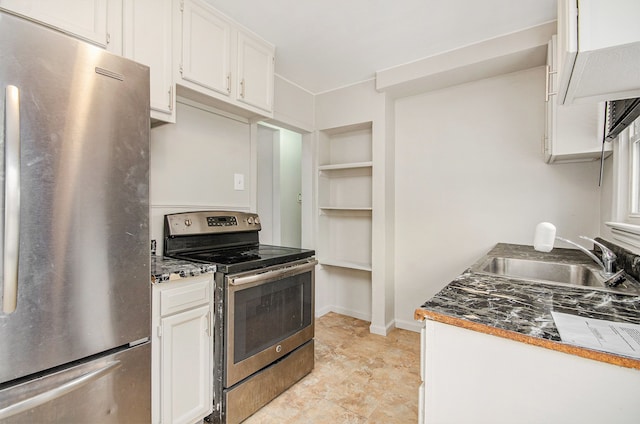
555,273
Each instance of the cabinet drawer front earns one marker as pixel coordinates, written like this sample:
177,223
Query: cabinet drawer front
185,297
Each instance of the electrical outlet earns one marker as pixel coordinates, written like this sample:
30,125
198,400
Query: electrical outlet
238,181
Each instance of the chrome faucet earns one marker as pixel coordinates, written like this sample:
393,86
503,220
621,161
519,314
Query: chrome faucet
608,257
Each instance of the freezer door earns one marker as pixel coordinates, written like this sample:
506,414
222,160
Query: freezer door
111,389
74,185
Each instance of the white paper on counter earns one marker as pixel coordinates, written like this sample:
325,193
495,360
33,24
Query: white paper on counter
608,336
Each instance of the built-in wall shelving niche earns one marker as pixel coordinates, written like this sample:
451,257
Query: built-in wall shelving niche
345,169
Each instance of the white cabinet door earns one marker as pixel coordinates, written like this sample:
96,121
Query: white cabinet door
573,133
147,40
186,379
599,50
85,19
220,63
255,72
182,350
206,51
498,378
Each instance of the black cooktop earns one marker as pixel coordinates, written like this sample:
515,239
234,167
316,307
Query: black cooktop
232,260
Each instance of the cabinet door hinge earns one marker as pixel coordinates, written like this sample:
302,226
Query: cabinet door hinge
160,331
182,5
108,38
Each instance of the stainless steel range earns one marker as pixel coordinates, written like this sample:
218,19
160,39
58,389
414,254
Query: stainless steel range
264,300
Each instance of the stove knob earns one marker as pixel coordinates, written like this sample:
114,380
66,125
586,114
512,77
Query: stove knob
188,222
257,220
250,220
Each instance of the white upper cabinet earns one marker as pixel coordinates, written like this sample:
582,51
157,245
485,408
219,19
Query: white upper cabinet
147,39
206,47
255,72
599,50
222,60
85,19
573,133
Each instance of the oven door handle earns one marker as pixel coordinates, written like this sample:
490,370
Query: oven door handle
272,274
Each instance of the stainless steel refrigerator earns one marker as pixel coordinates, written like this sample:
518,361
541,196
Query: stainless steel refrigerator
74,235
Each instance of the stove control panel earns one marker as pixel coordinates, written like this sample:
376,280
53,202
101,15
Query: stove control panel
207,222
223,221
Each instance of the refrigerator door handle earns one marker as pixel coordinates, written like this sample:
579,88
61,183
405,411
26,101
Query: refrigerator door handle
11,200
63,389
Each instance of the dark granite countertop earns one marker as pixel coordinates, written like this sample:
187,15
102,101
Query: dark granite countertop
521,310
167,269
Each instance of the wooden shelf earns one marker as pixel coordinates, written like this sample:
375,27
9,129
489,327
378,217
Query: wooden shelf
345,264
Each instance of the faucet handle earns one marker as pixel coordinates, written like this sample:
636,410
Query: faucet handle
606,252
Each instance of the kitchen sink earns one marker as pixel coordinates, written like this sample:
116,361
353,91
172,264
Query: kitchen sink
555,273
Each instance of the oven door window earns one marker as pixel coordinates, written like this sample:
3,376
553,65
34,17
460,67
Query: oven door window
268,313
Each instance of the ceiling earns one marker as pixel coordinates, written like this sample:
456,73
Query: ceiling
326,44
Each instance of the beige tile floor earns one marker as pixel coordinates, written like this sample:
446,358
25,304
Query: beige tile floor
359,378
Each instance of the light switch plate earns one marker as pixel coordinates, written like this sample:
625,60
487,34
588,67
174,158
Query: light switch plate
238,181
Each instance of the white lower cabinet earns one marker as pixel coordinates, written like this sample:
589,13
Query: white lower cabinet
182,350
473,377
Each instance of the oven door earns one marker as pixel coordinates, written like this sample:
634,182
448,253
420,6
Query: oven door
269,313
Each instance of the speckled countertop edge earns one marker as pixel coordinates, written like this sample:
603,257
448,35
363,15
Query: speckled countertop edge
521,311
168,269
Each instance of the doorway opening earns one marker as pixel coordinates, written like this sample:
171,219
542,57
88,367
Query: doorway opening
279,187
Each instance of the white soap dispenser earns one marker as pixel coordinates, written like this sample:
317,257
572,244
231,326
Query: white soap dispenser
544,237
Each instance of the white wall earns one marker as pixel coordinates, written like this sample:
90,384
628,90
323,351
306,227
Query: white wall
267,139
293,106
193,163
469,174
279,183
290,149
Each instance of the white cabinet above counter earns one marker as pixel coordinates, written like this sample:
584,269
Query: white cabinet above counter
599,50
89,20
573,133
147,38
192,50
220,63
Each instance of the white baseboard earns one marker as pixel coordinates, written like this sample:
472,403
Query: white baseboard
323,311
374,329
409,325
382,331
342,311
351,313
